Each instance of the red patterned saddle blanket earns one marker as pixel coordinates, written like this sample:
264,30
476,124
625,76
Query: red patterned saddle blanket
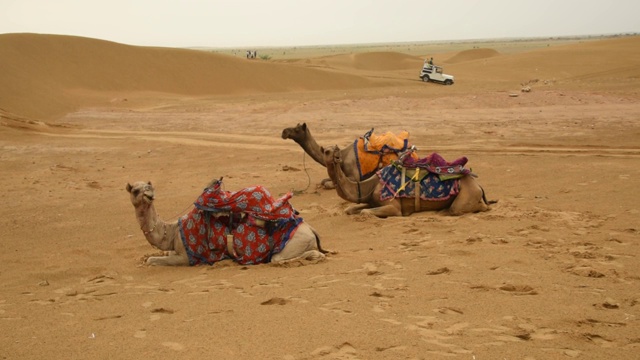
248,225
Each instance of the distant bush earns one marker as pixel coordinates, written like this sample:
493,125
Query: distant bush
265,57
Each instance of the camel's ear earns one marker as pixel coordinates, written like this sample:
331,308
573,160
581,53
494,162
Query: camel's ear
304,125
129,187
149,183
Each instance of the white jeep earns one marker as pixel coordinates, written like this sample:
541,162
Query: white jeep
434,73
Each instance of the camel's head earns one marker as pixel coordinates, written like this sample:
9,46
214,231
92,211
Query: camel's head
214,184
141,193
332,155
297,133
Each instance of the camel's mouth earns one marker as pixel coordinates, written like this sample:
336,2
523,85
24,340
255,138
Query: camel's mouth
149,197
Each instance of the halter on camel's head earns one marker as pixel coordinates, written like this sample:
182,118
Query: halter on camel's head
296,133
143,190
335,151
215,183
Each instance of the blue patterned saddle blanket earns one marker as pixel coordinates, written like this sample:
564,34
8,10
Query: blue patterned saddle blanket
432,187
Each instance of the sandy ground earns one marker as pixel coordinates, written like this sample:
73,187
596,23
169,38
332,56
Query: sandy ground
550,272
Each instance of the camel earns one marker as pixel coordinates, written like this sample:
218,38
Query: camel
304,244
301,135
367,194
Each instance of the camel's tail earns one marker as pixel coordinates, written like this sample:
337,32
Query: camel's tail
484,198
318,242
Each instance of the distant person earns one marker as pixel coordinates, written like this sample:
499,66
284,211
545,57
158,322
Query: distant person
248,54
431,61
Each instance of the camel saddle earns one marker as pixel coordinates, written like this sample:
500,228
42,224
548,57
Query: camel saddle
431,178
435,164
255,201
375,151
248,226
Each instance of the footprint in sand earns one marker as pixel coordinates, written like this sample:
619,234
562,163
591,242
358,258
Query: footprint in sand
586,271
599,340
332,307
275,301
371,269
518,289
158,313
383,303
320,284
265,284
344,351
162,311
439,271
449,311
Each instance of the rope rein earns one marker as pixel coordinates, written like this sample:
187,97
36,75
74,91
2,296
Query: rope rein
181,213
306,171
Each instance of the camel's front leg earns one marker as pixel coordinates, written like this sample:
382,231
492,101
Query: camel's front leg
172,259
383,211
327,184
313,255
355,209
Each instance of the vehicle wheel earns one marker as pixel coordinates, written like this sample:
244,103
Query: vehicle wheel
448,82
425,78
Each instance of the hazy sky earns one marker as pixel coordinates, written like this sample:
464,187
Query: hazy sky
246,23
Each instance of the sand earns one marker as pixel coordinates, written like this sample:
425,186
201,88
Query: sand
550,272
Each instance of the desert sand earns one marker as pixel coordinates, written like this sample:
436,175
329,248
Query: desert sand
550,272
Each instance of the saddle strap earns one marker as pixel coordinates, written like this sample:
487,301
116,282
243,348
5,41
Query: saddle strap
417,191
230,249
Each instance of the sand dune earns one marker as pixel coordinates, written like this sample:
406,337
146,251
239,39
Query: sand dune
473,54
62,73
41,69
610,61
374,61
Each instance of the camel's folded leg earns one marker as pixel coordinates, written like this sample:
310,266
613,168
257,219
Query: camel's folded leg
307,255
169,260
383,211
355,209
327,184
302,245
470,199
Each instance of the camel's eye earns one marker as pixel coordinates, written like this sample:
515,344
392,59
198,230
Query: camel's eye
136,192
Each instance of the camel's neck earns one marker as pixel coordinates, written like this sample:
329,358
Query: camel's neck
157,232
311,147
349,190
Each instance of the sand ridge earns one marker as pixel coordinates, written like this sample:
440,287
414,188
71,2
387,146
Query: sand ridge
473,54
62,73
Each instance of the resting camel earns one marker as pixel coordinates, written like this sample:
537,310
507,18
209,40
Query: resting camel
172,238
301,135
367,194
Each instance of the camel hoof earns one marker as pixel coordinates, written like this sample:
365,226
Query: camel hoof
327,184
